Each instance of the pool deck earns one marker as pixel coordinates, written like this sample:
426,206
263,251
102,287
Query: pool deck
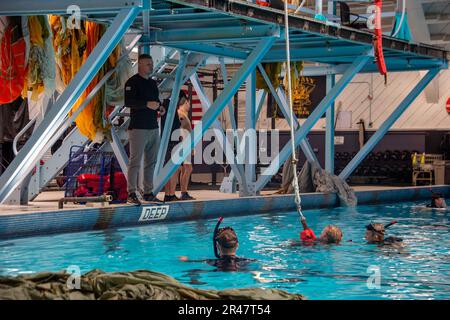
42,216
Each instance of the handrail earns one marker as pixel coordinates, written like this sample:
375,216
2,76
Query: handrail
22,132
161,65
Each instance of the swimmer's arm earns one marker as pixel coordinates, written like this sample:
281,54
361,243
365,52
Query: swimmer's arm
186,259
304,224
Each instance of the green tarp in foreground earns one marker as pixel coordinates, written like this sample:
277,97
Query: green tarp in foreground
136,285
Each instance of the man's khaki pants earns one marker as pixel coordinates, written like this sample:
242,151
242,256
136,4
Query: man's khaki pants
145,143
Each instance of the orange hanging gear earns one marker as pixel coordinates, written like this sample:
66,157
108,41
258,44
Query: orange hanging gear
378,42
12,67
263,3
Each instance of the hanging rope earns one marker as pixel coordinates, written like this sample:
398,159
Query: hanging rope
400,24
298,200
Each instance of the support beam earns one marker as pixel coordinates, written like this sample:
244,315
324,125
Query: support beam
280,98
216,108
228,181
146,34
60,7
421,33
437,18
329,130
119,151
319,11
304,144
223,69
440,39
213,35
237,168
170,114
56,163
301,133
417,21
384,128
319,52
34,148
194,61
260,99
212,50
250,127
330,121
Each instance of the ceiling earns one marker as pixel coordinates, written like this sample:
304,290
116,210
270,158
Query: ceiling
437,17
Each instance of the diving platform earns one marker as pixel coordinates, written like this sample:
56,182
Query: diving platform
232,28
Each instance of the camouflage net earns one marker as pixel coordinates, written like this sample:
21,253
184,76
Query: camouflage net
136,285
314,179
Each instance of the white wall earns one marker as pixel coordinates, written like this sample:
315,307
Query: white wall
420,115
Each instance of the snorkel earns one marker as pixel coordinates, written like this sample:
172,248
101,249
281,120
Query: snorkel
372,228
216,229
390,224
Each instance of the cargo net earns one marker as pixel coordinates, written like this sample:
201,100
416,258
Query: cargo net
91,173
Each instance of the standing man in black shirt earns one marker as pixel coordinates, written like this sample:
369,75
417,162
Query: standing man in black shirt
142,97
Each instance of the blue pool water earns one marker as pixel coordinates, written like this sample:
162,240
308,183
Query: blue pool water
420,271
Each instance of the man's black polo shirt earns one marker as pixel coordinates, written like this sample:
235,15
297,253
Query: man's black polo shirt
138,91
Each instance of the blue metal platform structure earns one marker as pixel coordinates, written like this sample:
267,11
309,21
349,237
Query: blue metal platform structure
246,32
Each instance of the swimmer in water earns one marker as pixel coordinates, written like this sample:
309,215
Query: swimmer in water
375,235
437,201
331,234
225,244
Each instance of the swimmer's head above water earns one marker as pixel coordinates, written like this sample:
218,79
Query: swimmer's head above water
225,241
375,232
438,201
331,234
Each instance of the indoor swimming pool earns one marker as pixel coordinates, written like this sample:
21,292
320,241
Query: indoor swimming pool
351,270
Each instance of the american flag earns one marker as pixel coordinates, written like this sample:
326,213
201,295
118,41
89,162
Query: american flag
197,110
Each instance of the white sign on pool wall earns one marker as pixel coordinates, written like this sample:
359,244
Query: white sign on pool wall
154,213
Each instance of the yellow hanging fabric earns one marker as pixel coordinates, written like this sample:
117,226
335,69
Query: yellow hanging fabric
296,69
72,47
273,71
34,78
69,46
